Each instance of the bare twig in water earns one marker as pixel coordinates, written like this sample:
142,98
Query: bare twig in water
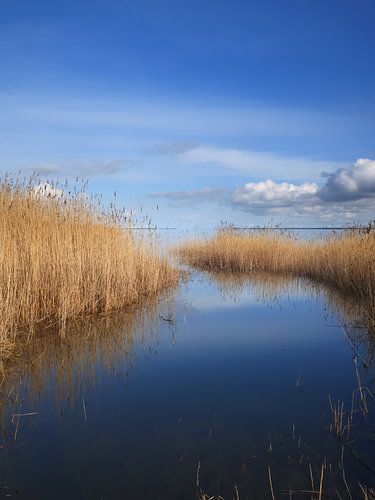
36,359
237,492
360,388
197,476
25,414
169,319
346,484
339,427
355,350
312,478
369,493
360,460
84,407
18,422
271,485
321,483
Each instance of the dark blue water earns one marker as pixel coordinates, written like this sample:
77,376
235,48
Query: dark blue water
222,388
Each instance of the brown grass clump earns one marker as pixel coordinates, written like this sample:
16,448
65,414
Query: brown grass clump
344,261
62,257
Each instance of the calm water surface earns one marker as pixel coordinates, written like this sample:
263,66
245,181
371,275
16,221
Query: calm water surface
223,386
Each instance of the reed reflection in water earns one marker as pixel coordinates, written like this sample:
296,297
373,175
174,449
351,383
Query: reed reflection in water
232,373
350,423
341,309
71,364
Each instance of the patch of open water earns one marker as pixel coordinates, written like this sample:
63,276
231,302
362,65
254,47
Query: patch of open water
221,389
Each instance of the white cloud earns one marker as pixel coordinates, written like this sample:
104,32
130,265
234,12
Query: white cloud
353,183
250,162
270,194
48,190
347,194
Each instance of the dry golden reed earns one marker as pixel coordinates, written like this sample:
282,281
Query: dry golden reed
62,257
344,261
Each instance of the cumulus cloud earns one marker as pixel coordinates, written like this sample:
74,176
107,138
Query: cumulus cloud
289,200
347,193
353,183
267,194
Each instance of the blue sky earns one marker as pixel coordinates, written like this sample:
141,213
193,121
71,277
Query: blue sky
210,110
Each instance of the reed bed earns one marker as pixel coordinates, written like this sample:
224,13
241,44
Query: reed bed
62,256
343,261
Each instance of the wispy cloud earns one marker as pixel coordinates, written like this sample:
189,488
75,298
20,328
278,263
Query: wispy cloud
254,163
189,117
204,194
80,169
175,148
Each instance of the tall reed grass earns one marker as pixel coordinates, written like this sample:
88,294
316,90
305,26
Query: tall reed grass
344,261
62,256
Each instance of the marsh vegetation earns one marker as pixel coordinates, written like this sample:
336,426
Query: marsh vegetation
344,261
253,379
63,256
